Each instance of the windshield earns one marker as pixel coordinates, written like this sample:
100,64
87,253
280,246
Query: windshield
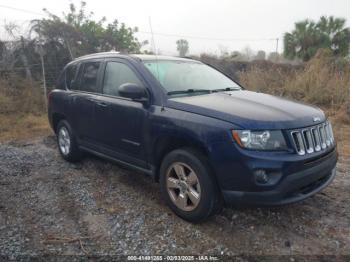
184,76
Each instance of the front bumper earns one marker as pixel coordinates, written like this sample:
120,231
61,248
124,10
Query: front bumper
293,188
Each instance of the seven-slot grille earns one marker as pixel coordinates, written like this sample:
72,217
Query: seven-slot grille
313,139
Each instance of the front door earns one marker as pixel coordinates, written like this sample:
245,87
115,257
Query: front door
121,121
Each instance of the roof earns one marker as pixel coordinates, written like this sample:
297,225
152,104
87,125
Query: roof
141,57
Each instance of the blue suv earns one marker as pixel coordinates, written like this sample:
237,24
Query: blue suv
205,139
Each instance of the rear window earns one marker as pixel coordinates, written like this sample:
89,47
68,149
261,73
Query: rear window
71,72
89,76
60,83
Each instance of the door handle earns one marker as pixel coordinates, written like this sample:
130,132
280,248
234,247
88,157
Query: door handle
103,104
99,103
91,99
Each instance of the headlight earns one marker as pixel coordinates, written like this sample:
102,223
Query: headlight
260,140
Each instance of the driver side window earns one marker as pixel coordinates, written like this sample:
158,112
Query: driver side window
115,75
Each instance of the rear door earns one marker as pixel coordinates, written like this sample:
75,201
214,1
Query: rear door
85,89
121,121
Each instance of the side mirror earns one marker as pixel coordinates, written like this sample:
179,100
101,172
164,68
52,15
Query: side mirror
134,92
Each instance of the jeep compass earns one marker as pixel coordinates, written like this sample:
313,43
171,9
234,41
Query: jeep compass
203,137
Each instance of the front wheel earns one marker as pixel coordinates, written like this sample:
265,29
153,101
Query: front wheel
188,185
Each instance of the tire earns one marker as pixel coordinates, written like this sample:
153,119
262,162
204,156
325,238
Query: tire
191,200
67,143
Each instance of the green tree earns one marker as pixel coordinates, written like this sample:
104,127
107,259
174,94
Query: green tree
77,33
335,35
308,36
80,34
182,47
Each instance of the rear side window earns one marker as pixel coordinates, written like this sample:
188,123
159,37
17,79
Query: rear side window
71,72
117,74
88,81
60,83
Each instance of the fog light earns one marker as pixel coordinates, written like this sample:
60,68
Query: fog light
261,176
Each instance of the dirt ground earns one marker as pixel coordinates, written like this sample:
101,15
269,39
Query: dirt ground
51,207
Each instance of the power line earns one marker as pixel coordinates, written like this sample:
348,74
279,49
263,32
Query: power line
161,34
208,38
166,34
22,10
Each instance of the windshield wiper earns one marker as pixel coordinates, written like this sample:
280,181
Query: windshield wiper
189,91
226,89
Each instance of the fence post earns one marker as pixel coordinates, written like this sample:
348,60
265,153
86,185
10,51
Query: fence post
25,62
40,50
44,78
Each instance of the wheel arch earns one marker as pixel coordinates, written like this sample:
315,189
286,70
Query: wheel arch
56,118
166,144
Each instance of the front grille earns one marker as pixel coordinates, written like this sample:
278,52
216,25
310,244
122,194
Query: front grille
313,139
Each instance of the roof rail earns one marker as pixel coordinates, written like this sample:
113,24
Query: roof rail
98,54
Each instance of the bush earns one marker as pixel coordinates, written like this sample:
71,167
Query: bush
22,110
324,81
19,96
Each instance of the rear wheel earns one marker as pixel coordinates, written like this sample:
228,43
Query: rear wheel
67,144
188,185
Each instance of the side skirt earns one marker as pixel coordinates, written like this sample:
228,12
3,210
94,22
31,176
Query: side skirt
151,172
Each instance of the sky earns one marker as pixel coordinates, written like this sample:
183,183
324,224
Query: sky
209,26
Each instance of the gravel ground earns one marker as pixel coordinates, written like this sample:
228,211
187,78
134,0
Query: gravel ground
49,206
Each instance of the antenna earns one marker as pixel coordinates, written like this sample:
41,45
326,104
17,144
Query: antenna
156,55
153,43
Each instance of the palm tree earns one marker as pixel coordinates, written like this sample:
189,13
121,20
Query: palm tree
308,36
338,37
182,47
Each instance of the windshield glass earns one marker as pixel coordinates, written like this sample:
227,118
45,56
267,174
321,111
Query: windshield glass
178,76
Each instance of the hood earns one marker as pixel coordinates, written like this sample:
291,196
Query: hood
250,110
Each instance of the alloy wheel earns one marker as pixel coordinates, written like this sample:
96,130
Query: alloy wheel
64,140
183,186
